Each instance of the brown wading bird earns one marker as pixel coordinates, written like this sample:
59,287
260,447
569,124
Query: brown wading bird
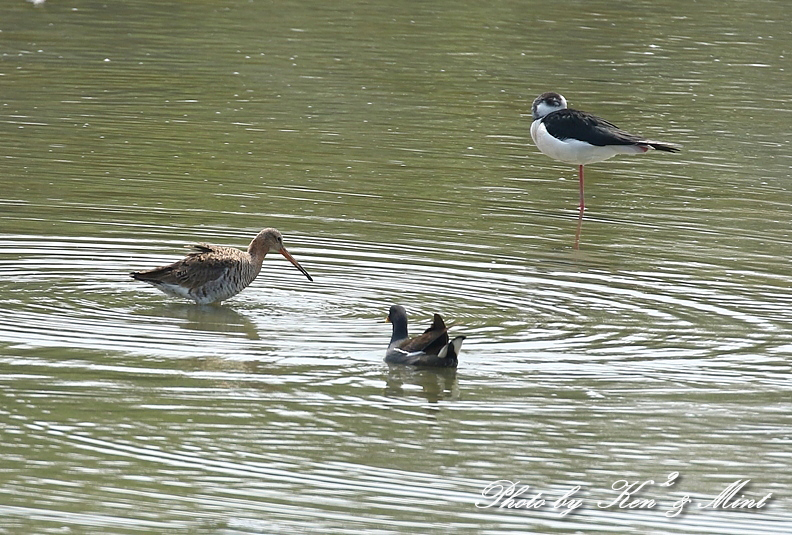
578,137
213,273
432,348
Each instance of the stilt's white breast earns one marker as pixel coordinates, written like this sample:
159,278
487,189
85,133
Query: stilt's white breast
573,150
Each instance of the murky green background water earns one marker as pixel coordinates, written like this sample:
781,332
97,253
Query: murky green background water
389,142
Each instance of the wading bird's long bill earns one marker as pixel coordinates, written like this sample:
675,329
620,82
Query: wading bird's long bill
295,263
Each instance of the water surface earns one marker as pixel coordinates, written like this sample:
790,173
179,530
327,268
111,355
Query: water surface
389,143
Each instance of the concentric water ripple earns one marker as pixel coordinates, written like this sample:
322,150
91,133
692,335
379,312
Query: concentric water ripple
250,448
74,292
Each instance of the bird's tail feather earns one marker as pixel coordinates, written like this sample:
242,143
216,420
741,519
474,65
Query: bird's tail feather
454,346
151,275
663,146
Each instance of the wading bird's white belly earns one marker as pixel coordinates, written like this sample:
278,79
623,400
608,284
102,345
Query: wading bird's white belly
576,151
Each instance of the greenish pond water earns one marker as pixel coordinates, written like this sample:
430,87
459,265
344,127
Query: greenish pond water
389,142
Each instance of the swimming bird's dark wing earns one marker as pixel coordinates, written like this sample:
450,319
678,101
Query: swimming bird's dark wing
431,341
446,357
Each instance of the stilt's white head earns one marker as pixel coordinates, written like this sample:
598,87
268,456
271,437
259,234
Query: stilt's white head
547,103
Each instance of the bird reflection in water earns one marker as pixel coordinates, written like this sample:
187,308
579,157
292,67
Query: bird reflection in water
206,318
433,384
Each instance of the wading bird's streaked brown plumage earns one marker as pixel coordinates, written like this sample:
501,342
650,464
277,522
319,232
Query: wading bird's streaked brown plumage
212,273
431,348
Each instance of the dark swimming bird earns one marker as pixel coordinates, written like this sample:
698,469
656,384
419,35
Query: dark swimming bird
432,348
213,273
578,137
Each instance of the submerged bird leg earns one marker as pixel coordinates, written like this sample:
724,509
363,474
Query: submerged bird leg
580,176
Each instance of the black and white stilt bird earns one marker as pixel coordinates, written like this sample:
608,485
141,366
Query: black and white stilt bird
578,137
